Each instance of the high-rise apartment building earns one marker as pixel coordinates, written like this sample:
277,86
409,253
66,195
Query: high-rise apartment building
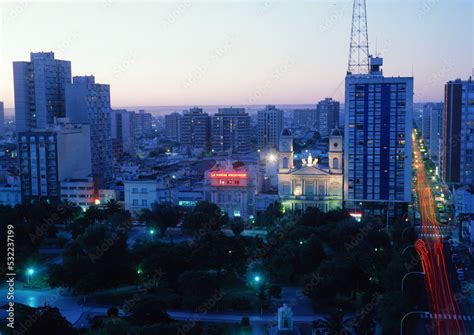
305,117
432,130
231,130
269,127
39,88
2,120
378,142
89,103
172,125
458,133
48,156
327,116
143,124
194,129
123,131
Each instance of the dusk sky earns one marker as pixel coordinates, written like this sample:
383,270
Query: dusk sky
237,52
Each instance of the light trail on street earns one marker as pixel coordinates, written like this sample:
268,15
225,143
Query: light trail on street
441,299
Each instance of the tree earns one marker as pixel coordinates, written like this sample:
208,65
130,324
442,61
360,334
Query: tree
218,252
205,217
335,324
149,310
271,215
97,259
237,226
161,216
162,262
112,207
41,320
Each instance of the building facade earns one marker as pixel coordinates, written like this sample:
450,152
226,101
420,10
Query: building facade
194,129
79,192
123,131
232,189
458,133
378,142
269,127
89,103
2,120
39,88
434,128
172,126
311,185
327,116
143,124
46,158
305,118
231,130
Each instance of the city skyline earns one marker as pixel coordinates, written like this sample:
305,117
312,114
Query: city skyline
285,65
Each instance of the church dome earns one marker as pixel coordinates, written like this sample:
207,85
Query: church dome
336,132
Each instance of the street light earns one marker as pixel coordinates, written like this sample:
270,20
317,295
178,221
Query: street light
411,273
406,315
407,247
256,279
152,233
29,273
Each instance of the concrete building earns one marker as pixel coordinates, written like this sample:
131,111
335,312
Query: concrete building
378,142
231,130
143,124
10,190
305,118
232,188
458,133
140,194
463,201
123,131
194,129
2,120
46,158
269,127
39,88
89,103
311,185
425,124
432,130
79,192
327,116
172,126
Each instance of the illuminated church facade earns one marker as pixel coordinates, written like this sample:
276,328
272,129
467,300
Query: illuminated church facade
310,185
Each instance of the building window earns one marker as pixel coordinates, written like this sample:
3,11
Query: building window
335,163
135,202
144,203
285,162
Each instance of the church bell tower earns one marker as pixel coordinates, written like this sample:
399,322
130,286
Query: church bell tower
285,152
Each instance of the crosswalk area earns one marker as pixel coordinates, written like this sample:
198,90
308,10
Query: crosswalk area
443,316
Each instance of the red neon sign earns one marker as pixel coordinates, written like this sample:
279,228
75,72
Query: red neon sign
228,175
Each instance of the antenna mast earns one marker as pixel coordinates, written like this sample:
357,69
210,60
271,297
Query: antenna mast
359,47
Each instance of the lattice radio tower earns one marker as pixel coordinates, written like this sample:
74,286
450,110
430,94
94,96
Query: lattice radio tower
359,48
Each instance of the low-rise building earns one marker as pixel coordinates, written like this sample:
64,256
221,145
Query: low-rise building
140,194
78,192
232,188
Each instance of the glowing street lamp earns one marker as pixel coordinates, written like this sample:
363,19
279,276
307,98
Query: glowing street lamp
152,233
29,273
272,158
257,279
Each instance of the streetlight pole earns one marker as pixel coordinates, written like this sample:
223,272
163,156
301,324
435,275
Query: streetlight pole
407,247
411,273
406,315
404,230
